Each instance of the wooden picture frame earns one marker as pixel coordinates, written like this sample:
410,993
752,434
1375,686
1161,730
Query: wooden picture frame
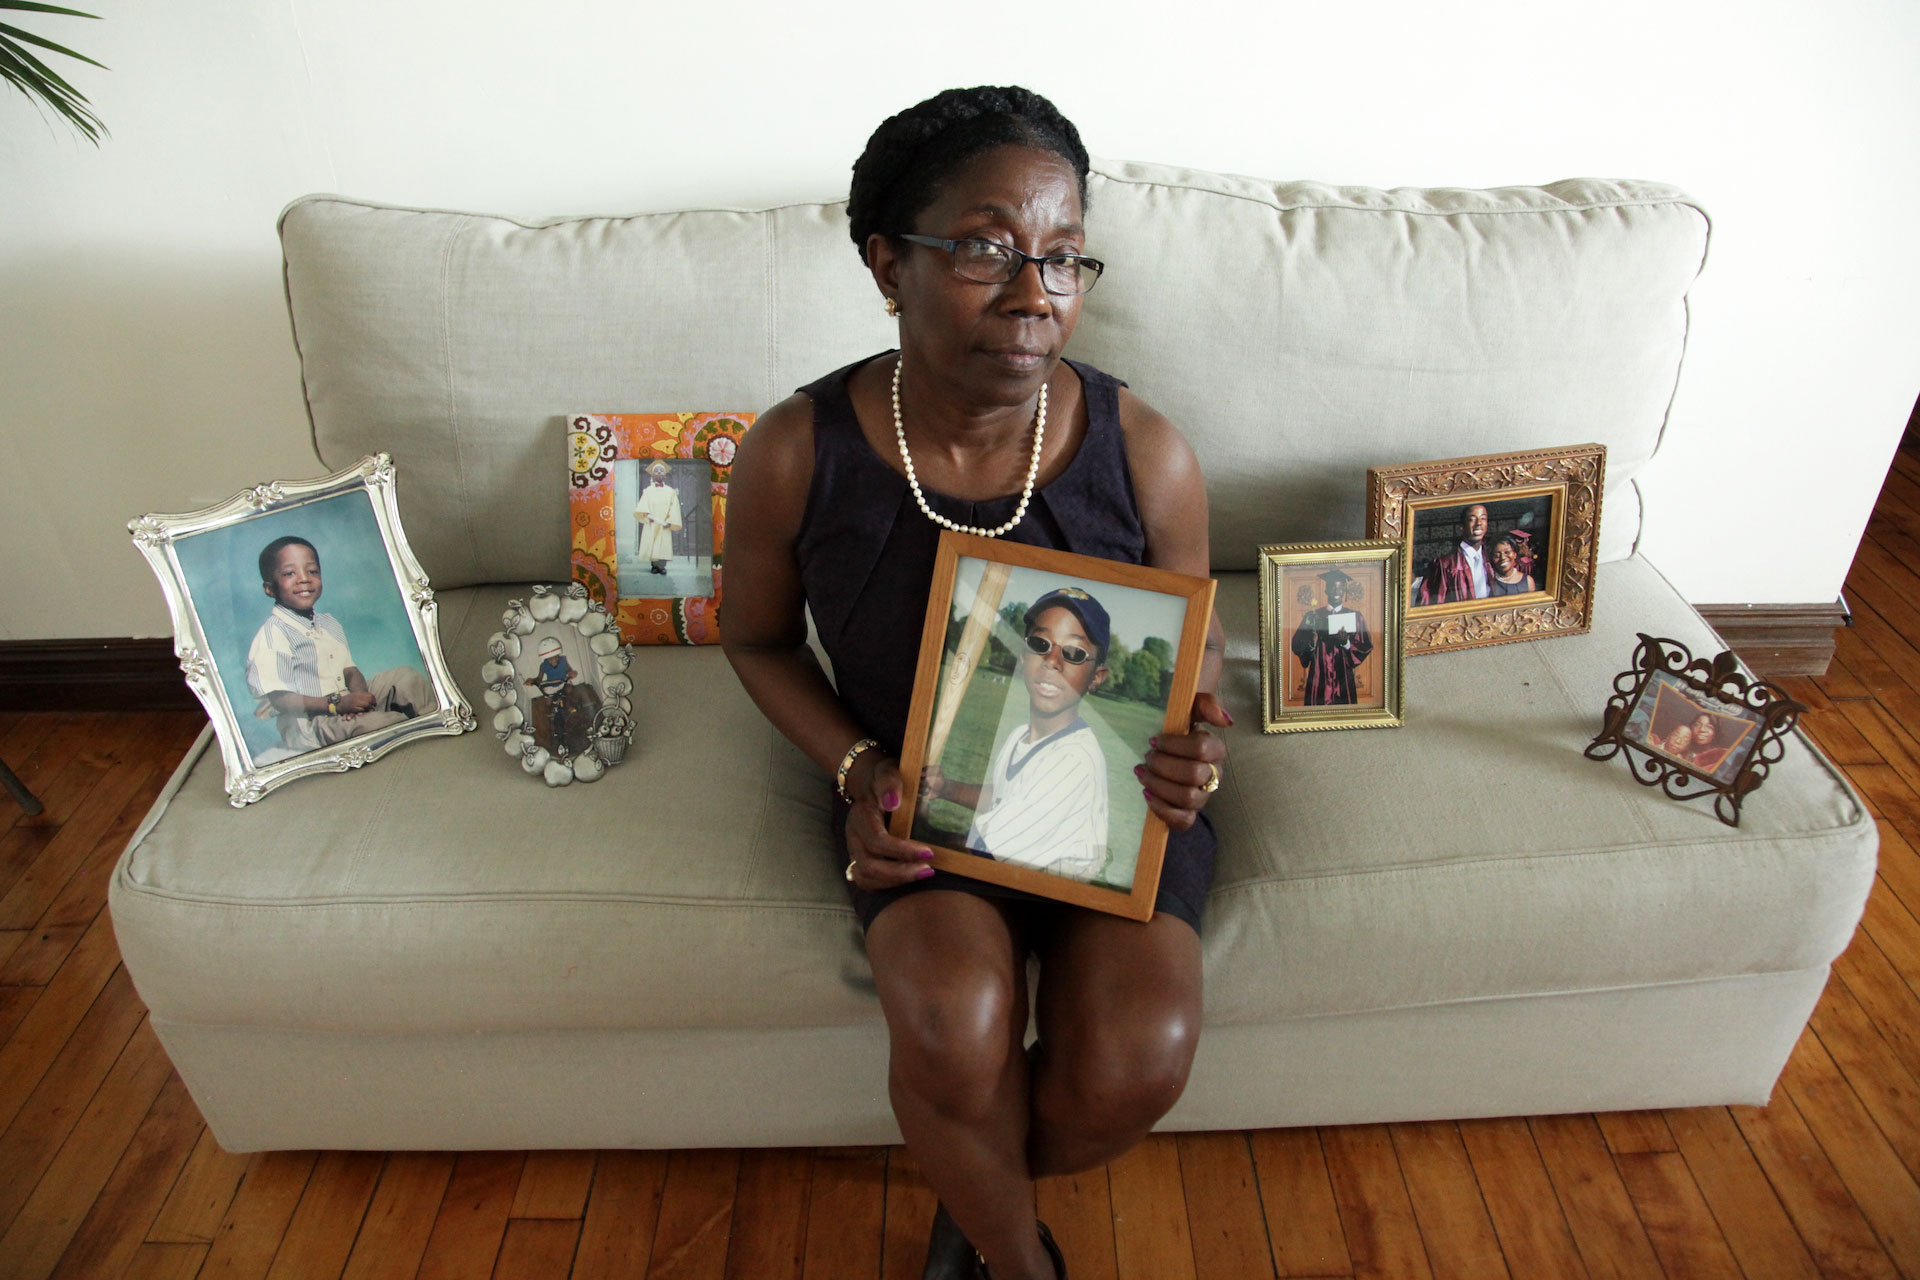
613,463
1332,635
1123,648
1545,504
1694,727
275,666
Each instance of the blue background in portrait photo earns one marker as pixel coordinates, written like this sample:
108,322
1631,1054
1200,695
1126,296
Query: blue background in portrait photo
357,586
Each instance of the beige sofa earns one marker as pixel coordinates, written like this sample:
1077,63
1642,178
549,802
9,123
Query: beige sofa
1459,917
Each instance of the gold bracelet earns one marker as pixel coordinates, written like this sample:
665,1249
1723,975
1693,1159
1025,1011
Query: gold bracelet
846,766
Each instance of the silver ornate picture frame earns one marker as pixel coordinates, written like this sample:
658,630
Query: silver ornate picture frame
295,686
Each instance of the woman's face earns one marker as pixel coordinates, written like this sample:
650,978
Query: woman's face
1053,683
1703,731
1504,558
991,344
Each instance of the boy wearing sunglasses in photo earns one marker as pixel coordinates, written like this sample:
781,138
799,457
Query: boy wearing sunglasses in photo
1044,803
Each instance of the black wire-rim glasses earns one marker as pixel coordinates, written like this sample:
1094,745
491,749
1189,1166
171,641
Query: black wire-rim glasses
988,262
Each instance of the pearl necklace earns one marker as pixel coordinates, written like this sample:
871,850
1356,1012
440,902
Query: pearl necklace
1033,465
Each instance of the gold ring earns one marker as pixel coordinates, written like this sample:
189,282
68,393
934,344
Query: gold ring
849,873
1213,783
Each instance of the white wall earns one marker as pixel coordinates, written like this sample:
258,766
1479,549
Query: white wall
145,362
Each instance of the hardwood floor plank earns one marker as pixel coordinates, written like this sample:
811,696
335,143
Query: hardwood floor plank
1900,867
15,1004
1888,795
1150,1232
327,1219
10,940
43,1034
110,1233
769,1234
1886,1193
50,1113
1635,1132
1514,1184
1750,1216
696,1213
846,1212
1891,742
554,1184
393,1235
26,900
1836,735
466,1235
1894,1005
1383,1238
1587,1184
40,955
1447,1204
1078,1209
197,1203
1836,1235
1675,1216
537,1249
256,1220
1840,684
1296,1194
910,1208
47,1222
1872,1070
616,1237
166,1262
59,772
1224,1219
80,898
1894,930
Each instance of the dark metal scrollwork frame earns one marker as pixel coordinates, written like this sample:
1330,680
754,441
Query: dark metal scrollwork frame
1718,680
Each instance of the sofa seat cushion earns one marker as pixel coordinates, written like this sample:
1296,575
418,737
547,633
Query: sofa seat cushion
1472,853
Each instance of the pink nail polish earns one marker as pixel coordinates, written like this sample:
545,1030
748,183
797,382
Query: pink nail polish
1228,714
890,801
1153,742
923,873
1139,771
925,855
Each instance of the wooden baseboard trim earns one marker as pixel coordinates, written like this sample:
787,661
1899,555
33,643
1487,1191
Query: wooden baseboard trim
113,674
1779,639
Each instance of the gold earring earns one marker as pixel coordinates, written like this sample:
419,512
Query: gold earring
893,308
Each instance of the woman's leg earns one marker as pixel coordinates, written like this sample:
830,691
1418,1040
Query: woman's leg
951,972
1119,1016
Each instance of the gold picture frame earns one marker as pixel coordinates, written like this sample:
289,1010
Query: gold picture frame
1130,643
1545,501
1332,635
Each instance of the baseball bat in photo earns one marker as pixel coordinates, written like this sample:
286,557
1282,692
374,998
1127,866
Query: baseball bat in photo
967,654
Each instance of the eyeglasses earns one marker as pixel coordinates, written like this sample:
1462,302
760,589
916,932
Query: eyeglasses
1073,653
986,262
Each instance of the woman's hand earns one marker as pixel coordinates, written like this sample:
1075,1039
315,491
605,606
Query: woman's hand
1181,765
879,861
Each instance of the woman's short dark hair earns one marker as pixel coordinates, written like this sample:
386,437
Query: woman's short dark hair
912,154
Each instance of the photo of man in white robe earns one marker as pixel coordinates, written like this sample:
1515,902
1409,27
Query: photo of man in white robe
658,514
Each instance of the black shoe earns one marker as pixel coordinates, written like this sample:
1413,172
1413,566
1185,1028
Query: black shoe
950,1256
1053,1250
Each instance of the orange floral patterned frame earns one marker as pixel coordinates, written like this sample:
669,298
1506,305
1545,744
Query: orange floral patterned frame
595,441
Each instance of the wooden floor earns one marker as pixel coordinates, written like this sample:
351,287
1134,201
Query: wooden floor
106,1169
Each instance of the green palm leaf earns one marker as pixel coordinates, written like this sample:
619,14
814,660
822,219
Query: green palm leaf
27,73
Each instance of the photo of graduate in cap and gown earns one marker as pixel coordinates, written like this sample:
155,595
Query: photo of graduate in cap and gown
1331,642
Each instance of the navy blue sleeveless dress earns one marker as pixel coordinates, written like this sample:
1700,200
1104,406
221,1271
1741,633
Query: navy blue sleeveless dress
866,554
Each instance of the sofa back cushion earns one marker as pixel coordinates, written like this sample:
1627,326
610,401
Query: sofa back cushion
1298,333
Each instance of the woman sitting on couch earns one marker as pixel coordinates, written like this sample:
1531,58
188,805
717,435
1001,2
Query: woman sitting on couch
968,211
